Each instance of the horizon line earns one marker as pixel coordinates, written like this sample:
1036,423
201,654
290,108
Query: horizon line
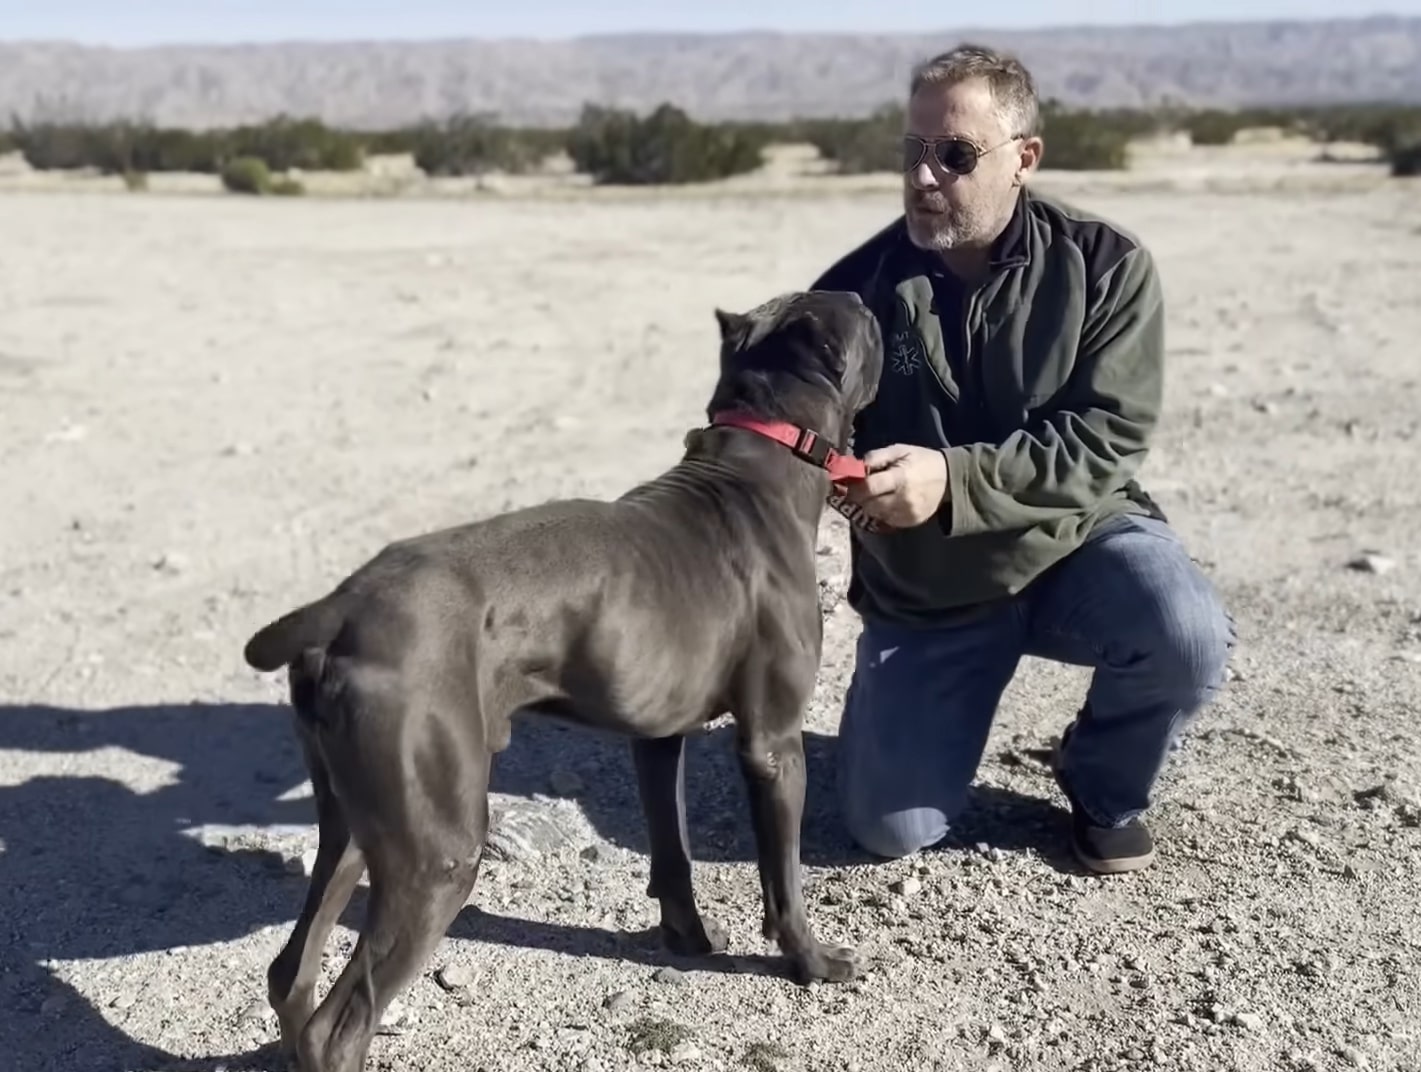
523,39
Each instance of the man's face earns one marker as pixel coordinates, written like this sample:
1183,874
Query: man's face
949,211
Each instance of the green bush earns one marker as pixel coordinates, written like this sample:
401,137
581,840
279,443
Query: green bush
307,144
1406,160
1078,140
247,175
666,147
1385,126
1213,127
859,146
474,145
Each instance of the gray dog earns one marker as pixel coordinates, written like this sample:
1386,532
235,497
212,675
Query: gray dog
690,596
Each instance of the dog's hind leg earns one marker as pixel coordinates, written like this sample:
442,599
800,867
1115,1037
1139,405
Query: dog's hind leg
422,869
771,752
661,781
291,979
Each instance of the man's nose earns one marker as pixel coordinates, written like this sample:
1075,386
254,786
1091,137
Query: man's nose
923,177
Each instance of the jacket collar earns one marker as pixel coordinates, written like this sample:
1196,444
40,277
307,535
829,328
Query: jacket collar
1012,248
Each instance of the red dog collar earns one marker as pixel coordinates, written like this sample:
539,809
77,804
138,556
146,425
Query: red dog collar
806,444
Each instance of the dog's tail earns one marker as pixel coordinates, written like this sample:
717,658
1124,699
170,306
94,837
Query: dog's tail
312,626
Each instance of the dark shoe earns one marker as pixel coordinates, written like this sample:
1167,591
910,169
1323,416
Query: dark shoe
1106,850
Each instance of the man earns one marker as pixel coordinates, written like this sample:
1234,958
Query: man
1025,345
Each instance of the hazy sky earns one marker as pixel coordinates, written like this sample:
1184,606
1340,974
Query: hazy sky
120,22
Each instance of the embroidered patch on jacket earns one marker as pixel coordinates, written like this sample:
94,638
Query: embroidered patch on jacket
906,352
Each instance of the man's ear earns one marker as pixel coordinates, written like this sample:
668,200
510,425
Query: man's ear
1029,159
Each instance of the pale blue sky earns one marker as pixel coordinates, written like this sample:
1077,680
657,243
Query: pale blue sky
121,22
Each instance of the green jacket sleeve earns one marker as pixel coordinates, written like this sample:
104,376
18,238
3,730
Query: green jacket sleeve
1096,436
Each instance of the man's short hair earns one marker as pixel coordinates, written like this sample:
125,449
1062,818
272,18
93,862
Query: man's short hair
1011,83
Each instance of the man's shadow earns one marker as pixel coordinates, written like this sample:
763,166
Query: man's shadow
91,868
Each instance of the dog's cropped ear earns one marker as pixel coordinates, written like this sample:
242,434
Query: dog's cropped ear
732,325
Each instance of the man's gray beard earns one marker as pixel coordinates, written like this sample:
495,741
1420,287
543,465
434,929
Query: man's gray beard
943,237
969,233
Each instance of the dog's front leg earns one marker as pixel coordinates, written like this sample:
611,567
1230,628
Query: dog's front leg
773,766
661,782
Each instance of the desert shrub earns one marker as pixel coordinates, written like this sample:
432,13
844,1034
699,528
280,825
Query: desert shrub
665,147
1386,126
1213,127
1079,140
473,145
1405,160
858,146
56,146
135,181
286,143
285,186
180,150
247,175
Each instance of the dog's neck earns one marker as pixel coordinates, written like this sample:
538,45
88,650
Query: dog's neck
805,443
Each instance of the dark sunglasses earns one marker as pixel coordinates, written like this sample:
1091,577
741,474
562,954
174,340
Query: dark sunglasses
955,155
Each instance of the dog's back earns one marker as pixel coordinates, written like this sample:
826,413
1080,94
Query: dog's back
591,608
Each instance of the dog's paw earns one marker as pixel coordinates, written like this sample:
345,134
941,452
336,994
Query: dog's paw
696,941
826,964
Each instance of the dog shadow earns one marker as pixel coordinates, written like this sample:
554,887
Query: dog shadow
93,868
544,752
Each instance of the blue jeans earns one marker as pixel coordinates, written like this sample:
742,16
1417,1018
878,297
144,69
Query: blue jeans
1129,603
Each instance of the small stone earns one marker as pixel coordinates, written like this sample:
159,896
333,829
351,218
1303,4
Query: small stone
397,1019
591,1064
305,864
455,977
1353,1056
127,999
1377,794
594,854
684,1053
618,1002
996,1033
564,782
171,562
669,976
524,831
906,887
1249,1021
1372,562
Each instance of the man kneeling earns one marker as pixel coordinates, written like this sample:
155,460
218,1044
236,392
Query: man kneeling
1023,382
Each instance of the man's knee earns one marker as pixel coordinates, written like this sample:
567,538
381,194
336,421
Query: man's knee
1192,640
894,835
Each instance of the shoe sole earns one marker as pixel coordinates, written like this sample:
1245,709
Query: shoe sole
1122,866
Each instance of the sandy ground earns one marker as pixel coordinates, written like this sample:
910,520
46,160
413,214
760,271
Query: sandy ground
210,408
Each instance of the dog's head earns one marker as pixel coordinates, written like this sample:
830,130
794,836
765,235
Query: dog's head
811,357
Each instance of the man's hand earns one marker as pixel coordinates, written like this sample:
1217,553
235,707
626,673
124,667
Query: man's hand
905,485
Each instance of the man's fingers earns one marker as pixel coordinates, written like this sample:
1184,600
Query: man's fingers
875,485
885,456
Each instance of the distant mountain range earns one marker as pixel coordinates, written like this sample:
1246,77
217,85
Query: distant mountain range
740,75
